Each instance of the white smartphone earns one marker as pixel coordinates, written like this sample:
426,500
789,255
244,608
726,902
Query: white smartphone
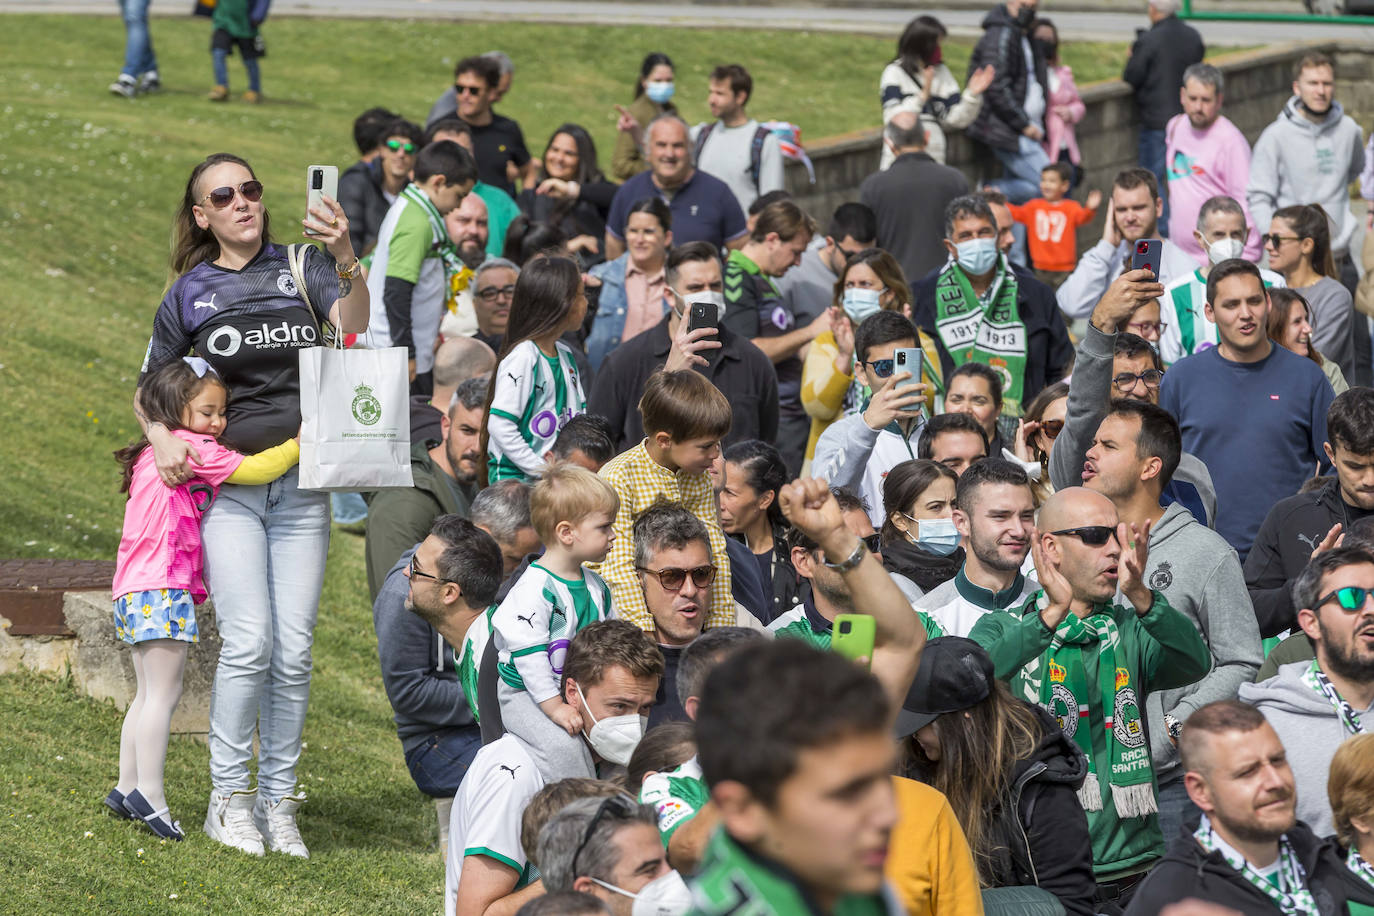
320,181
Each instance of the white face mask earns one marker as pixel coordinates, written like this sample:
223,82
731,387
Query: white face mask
1225,250
615,737
666,895
708,296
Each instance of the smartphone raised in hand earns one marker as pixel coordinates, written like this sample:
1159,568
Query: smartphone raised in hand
703,315
909,359
320,181
853,635
1146,256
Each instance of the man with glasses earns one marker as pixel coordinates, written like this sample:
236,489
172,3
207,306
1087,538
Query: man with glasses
431,619
1248,397
493,290
1302,526
732,363
1113,364
499,142
609,848
610,675
1134,455
1315,705
368,188
673,560
1092,661
1221,232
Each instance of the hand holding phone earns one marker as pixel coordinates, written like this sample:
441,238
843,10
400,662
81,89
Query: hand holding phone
321,181
910,359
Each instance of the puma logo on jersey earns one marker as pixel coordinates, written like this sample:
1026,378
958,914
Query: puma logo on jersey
206,303
1311,542
510,770
529,620
515,379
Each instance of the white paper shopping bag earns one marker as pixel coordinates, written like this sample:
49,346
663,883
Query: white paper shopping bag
355,419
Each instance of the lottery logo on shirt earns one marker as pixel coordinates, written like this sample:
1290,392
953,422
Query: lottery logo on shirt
558,652
544,424
781,319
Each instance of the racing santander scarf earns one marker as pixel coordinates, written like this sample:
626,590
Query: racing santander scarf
1315,678
441,246
1063,689
995,337
1291,896
1359,867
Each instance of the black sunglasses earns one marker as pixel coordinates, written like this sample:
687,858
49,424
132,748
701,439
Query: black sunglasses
1126,380
416,574
468,90
882,368
619,805
1274,240
1350,599
673,579
1092,535
223,197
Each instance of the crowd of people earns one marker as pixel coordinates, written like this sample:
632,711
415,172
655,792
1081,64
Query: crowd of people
900,559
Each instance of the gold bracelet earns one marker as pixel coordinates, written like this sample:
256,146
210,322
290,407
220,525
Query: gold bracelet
351,272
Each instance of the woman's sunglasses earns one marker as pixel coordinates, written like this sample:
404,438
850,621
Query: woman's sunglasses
1092,535
223,197
1051,428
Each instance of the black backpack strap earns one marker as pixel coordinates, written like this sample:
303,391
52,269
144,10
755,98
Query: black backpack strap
756,154
701,140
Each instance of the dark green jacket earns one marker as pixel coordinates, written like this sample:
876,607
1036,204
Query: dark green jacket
398,519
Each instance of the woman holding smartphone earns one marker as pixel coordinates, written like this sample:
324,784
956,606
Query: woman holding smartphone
235,303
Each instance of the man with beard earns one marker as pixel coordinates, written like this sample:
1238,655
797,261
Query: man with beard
1133,213
1300,527
1133,456
431,618
444,473
1316,705
1248,852
995,513
468,226
1091,658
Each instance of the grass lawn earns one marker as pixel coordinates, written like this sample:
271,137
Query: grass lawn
88,183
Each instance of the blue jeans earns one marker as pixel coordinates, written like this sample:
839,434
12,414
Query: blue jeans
1175,807
219,58
1151,156
138,43
265,549
1021,178
440,763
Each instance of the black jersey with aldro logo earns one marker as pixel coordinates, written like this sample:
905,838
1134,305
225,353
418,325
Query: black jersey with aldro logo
248,324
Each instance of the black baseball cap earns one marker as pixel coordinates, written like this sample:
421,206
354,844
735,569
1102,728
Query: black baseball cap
955,673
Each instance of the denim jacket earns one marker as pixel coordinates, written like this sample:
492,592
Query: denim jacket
612,304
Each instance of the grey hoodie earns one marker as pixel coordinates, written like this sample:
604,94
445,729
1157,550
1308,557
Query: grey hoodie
1200,575
854,455
1310,731
1298,162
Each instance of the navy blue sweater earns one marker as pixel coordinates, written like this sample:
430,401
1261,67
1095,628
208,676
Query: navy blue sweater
1259,427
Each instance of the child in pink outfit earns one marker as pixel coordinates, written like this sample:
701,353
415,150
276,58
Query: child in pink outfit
159,571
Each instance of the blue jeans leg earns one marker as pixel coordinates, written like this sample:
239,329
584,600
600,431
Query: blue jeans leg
265,550
138,42
1176,809
440,763
254,78
1152,155
1021,180
219,58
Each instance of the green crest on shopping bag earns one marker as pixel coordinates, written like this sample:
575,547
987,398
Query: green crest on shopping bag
367,410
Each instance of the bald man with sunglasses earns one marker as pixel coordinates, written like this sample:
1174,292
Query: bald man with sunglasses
1090,659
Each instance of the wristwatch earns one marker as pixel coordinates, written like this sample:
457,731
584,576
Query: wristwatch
853,560
1173,727
351,272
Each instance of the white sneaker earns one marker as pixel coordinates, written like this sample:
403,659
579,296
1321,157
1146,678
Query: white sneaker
277,824
230,821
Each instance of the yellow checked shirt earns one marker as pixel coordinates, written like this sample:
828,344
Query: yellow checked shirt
640,482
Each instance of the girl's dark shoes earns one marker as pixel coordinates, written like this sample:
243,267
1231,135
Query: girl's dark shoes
115,802
159,822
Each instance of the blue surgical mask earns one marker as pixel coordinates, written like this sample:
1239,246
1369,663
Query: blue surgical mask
659,91
977,256
859,303
935,535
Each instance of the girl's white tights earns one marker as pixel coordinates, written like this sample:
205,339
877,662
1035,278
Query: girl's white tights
158,666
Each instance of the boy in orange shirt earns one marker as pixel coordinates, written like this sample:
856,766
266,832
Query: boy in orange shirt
1051,221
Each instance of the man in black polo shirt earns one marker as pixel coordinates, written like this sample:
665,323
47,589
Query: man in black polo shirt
498,140
734,365
704,208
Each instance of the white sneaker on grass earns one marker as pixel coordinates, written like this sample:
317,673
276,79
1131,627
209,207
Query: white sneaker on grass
277,824
230,821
